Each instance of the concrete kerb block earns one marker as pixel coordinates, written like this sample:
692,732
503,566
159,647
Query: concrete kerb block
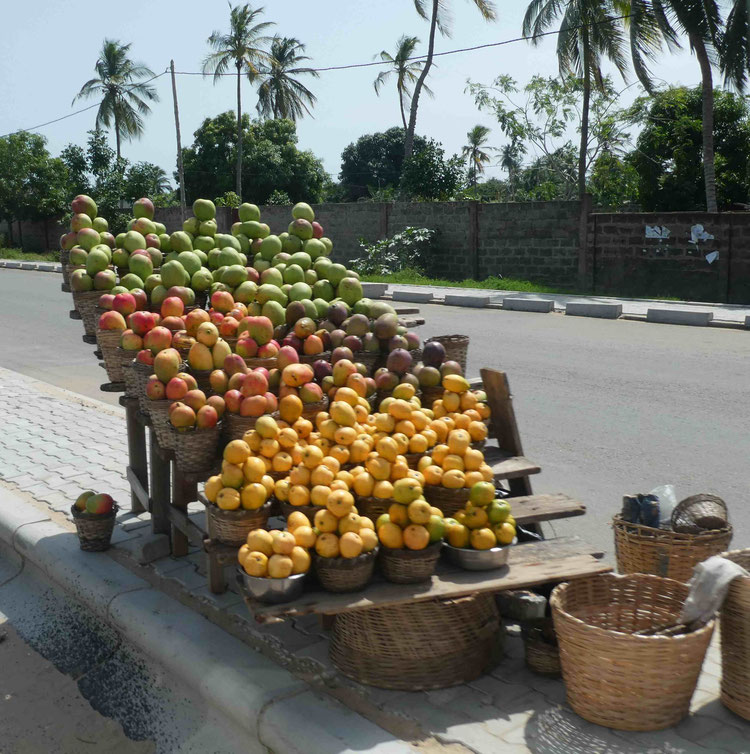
679,317
520,304
145,548
747,321
13,265
28,266
14,515
374,290
416,297
458,299
587,309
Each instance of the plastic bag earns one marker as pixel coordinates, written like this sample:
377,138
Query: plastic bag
667,503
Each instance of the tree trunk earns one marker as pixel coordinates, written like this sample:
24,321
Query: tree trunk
409,142
401,104
238,180
709,166
583,152
117,133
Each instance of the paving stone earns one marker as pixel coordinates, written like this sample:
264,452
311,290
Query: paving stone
187,577
219,601
145,546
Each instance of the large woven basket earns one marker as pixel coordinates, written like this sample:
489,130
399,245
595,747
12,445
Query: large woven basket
456,348
94,530
735,640
86,303
109,344
372,507
432,394
311,358
235,426
232,527
195,449
409,566
413,459
311,410
371,360
419,645
127,363
345,574
613,677
645,549
449,501
159,413
254,363
202,377
142,372
287,509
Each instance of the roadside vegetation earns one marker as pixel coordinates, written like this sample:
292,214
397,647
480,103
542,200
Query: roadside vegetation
28,256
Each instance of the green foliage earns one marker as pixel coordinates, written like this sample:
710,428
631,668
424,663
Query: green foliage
668,158
427,175
416,277
613,182
27,256
270,161
229,199
280,93
410,249
279,197
146,179
374,162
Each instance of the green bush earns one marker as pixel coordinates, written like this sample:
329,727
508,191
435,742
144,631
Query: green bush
408,249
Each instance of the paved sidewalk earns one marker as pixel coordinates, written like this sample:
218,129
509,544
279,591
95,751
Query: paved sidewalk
55,444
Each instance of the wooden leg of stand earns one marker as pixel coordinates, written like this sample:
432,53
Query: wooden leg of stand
183,492
160,490
136,452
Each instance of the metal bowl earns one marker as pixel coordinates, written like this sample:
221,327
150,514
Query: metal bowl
271,590
476,560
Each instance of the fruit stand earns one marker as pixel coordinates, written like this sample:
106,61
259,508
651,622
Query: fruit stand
277,392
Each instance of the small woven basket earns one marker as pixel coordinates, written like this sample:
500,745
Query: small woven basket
311,410
698,513
409,566
372,507
419,645
86,303
141,373
311,358
645,549
541,656
287,509
159,413
202,377
94,529
235,426
109,344
254,363
195,449
371,360
431,394
449,501
735,640
413,459
456,348
128,372
232,527
345,574
614,677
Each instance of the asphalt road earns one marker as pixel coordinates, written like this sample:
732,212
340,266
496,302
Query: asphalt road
605,407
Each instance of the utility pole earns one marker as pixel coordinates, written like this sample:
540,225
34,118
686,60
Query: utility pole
180,171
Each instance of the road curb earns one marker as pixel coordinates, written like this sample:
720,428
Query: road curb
679,317
518,304
236,681
13,264
586,309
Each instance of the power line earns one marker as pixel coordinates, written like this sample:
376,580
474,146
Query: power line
77,112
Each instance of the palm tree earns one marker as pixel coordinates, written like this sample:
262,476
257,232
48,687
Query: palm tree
280,94
510,161
474,153
587,34
406,70
652,22
242,48
439,18
735,46
123,93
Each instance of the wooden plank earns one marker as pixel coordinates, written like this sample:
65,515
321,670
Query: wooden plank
507,466
535,508
137,490
186,526
529,564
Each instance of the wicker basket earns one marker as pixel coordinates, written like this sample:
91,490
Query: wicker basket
128,373
311,410
142,372
448,500
86,303
68,268
159,413
309,510
195,450
372,507
413,459
432,394
456,348
735,640
419,645
541,656
345,574
644,549
254,363
371,360
232,527
698,513
109,343
409,566
235,426
94,529
202,377
613,677
311,358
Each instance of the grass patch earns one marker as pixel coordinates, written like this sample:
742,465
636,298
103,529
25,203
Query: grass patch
27,256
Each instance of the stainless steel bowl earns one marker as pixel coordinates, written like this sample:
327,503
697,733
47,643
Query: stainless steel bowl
477,560
271,590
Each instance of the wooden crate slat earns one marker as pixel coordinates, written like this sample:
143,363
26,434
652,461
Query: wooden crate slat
536,508
529,564
137,489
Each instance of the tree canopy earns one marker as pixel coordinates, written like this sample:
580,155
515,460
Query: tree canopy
271,161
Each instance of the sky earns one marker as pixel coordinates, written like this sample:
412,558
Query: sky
50,48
